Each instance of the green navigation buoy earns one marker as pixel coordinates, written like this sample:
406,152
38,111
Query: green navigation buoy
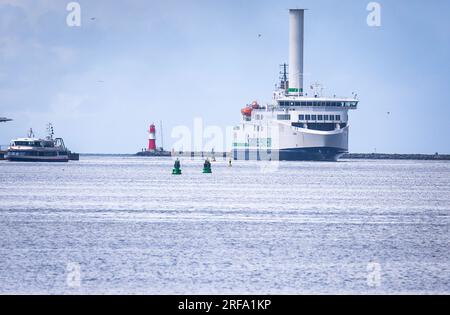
176,168
207,167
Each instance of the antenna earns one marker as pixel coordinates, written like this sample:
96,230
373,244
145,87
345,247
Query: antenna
31,133
284,83
50,131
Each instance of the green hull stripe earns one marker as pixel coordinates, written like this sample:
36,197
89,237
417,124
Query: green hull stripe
294,90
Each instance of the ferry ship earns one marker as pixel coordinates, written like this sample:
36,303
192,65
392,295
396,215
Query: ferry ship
296,126
32,149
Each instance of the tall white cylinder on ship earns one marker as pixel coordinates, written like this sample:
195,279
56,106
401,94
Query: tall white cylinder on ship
296,31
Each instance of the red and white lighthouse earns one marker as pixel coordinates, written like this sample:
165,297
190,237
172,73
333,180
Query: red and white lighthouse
152,138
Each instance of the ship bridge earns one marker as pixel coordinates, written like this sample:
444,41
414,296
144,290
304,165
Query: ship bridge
318,102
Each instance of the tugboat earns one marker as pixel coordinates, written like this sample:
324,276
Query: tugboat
32,149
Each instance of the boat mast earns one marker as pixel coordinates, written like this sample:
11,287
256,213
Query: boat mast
50,131
284,83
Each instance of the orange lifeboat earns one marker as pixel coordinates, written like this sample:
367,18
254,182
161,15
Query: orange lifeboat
247,111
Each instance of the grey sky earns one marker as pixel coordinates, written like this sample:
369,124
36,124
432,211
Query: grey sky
139,62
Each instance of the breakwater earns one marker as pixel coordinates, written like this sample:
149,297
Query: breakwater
387,156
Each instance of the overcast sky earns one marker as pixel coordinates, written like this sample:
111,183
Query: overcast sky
131,63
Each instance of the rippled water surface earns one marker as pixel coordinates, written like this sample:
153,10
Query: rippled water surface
129,226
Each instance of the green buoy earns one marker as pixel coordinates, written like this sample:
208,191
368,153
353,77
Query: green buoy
176,168
207,167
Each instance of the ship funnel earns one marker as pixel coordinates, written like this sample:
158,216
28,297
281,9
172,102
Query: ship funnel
296,28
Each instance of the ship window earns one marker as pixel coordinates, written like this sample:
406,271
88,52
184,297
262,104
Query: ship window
22,143
319,117
325,117
284,117
313,117
338,117
308,117
48,153
301,117
321,126
331,117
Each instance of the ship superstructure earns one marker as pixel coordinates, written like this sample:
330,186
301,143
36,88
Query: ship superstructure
296,126
32,149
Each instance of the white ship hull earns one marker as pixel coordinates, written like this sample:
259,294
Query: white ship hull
61,158
284,142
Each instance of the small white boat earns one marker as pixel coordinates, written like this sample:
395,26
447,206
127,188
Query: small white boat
33,149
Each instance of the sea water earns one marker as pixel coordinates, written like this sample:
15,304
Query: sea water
123,224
